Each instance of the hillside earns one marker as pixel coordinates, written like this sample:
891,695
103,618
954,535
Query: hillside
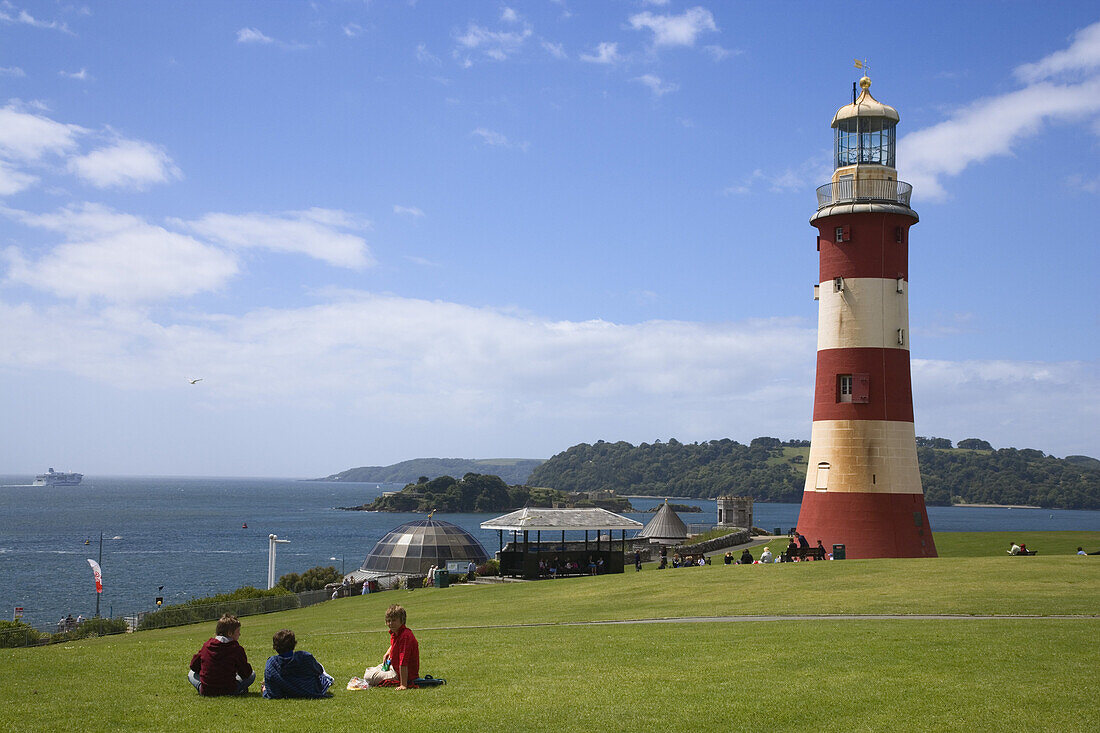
510,470
483,493
771,470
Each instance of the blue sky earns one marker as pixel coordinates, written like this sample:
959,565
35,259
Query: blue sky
383,230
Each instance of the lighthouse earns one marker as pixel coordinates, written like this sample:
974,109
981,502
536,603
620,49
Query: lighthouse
863,487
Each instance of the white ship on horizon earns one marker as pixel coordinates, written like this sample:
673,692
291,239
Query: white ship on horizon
55,478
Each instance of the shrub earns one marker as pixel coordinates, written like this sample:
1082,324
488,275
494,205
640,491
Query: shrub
492,567
92,627
17,633
312,579
244,601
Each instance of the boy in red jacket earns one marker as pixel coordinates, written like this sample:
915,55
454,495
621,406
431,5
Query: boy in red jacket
401,666
221,666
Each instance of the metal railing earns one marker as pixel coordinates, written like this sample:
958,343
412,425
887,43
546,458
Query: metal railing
894,192
162,618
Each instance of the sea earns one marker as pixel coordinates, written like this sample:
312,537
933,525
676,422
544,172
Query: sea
182,538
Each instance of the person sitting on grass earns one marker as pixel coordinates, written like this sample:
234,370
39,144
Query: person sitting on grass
1081,551
1014,550
766,555
792,550
746,557
293,674
400,666
221,667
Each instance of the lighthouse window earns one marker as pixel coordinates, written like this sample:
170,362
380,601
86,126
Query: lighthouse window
854,388
844,388
864,140
822,482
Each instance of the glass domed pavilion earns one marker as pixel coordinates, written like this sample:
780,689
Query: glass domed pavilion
414,547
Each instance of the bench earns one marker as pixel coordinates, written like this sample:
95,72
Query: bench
803,553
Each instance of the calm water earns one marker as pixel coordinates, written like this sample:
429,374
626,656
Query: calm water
185,534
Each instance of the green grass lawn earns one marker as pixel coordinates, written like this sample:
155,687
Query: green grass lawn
996,544
836,675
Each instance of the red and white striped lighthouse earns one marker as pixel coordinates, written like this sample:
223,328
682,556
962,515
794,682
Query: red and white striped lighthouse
863,487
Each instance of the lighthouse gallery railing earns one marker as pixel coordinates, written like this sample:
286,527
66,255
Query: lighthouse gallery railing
895,192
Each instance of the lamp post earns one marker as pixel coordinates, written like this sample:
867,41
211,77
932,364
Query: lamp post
272,540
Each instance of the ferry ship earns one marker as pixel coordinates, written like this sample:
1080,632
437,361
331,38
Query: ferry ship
53,478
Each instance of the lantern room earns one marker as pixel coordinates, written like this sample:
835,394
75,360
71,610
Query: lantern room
865,138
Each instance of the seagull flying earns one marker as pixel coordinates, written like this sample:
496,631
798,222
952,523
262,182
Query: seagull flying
196,381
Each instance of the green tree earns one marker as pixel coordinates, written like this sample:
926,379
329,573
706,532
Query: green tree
974,444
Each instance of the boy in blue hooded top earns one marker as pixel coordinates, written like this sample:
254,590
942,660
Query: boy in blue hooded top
293,674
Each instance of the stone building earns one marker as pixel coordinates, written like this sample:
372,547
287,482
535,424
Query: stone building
735,511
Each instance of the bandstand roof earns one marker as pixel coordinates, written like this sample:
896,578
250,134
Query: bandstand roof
550,520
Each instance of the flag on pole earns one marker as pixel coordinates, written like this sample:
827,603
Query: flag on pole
859,64
98,572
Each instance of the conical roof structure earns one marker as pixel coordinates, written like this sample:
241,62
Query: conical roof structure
665,525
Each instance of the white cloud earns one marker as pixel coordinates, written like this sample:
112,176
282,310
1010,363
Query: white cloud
126,164
675,30
556,50
1079,182
116,257
14,181
508,15
422,261
8,14
490,137
717,53
497,139
409,358
407,210
996,125
424,56
11,71
324,234
253,35
1020,404
987,128
526,380
81,75
809,173
1082,55
497,45
606,53
658,87
353,30
26,136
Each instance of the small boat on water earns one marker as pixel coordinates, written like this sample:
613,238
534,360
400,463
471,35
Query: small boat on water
58,478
